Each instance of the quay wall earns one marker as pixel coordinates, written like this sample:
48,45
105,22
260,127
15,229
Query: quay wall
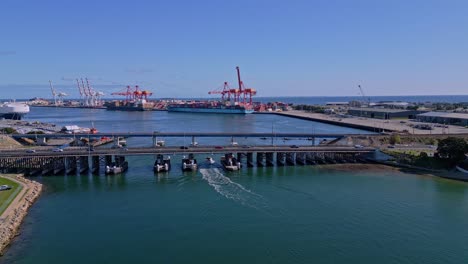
13,216
332,122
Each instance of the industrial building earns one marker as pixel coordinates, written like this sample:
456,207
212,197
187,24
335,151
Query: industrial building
447,118
383,113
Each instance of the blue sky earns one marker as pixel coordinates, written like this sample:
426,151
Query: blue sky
187,48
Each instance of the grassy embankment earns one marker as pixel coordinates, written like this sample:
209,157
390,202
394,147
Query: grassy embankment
418,158
7,196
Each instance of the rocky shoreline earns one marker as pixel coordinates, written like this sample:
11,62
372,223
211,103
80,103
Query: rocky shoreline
18,209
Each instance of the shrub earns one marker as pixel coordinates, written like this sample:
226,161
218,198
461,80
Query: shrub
395,139
8,130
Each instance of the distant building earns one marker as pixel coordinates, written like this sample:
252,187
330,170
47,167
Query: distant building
337,104
460,119
383,113
390,104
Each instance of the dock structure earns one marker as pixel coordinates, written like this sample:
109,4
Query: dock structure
80,161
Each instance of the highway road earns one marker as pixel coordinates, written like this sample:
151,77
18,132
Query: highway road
185,134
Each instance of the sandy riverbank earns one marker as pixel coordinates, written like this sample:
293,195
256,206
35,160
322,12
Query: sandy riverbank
380,168
13,216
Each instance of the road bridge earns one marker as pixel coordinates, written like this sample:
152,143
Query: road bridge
79,160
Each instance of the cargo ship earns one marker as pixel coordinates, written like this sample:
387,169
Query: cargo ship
139,105
13,110
209,107
233,101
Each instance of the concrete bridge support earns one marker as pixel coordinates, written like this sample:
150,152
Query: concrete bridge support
119,160
260,158
290,160
280,156
108,160
310,158
270,159
250,162
95,164
239,156
47,166
58,165
70,165
330,158
301,158
84,164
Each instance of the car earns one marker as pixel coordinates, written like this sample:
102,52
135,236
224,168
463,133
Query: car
5,187
57,150
218,147
31,151
294,146
183,147
358,146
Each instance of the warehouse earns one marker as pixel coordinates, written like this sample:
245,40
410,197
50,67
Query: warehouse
447,118
383,113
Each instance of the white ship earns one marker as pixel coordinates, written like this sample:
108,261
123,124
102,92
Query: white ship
13,110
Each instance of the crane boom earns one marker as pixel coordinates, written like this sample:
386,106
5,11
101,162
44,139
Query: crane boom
365,99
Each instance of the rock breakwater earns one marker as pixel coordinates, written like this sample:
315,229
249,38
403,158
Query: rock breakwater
13,216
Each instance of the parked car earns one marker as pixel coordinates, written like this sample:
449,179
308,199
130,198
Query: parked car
183,147
358,146
31,151
5,187
57,150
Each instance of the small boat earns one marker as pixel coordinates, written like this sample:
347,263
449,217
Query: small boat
116,169
230,163
210,160
161,164
189,164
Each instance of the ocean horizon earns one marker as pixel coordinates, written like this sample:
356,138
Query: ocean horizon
318,100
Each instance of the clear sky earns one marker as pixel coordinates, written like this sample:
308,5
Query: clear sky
284,48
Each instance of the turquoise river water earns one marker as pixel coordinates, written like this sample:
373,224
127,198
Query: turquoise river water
309,214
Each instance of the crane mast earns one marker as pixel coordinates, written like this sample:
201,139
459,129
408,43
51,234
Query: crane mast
54,93
364,98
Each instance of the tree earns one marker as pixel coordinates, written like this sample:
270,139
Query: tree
8,130
453,149
395,139
35,132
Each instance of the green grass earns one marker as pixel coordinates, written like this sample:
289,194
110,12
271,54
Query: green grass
7,196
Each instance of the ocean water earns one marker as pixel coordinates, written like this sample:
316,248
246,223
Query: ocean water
322,100
303,214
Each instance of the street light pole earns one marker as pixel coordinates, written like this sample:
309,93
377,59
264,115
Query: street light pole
272,131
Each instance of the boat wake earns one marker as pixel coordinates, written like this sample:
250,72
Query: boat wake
232,190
